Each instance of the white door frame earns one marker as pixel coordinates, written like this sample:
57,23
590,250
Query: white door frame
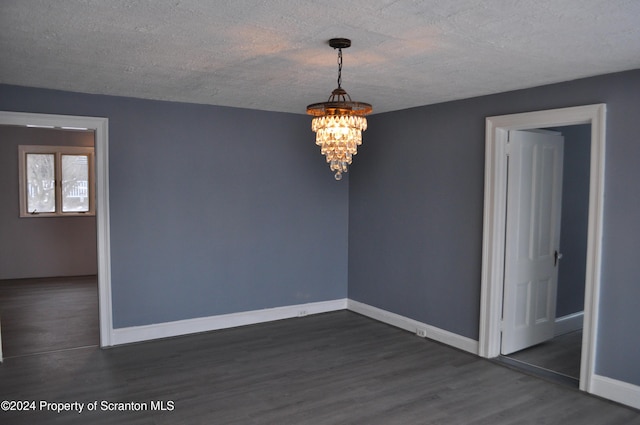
493,242
101,128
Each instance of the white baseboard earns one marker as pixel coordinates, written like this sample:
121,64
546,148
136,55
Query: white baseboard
204,324
211,323
431,332
618,391
569,323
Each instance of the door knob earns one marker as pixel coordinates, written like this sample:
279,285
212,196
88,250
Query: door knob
556,256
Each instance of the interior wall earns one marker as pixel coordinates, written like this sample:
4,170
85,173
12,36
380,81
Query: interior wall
575,219
271,228
416,205
213,210
43,246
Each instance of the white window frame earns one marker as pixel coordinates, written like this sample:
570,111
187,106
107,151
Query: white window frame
58,152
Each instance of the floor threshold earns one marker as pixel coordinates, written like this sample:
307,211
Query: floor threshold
538,371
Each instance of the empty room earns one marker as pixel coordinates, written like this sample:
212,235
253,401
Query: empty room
279,212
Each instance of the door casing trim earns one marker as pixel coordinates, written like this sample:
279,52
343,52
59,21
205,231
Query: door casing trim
493,242
101,128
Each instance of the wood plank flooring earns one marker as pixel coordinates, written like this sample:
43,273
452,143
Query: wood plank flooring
334,368
560,354
40,315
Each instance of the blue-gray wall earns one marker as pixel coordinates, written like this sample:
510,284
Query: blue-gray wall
271,227
43,246
213,210
575,218
416,205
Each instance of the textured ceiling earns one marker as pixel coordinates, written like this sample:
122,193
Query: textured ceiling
273,55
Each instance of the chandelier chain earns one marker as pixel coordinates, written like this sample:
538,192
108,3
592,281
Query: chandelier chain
339,67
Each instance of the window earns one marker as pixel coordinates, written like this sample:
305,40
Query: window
56,181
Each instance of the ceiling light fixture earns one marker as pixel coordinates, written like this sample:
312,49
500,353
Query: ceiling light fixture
339,122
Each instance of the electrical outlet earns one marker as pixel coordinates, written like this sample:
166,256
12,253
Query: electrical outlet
421,333
302,313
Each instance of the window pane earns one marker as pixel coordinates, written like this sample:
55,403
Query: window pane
75,183
40,183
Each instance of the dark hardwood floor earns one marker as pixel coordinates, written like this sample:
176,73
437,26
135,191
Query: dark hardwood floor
560,355
334,368
40,315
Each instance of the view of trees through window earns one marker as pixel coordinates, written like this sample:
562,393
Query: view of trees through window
41,183
56,180
75,183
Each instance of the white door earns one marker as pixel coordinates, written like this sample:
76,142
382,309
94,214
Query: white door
534,196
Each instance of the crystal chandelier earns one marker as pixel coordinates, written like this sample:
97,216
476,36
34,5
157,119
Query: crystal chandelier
339,122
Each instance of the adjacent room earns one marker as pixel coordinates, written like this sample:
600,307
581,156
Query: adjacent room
188,236
48,282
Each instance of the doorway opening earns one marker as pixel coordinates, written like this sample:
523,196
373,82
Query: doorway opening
494,246
100,128
557,357
48,265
